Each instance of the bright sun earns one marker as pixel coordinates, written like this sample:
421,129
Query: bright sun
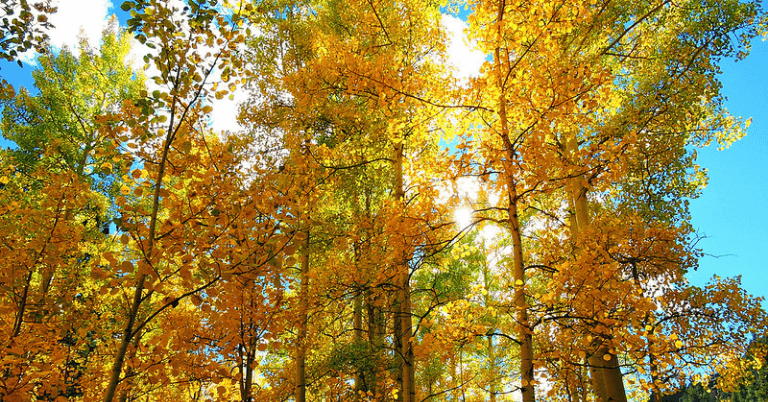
463,217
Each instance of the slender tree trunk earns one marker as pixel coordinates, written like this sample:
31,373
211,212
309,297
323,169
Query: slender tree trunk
607,381
247,355
357,320
117,366
493,383
524,330
525,333
397,345
19,319
301,353
358,327
374,331
45,284
124,395
375,344
249,363
409,369
655,392
404,296
580,221
493,370
461,374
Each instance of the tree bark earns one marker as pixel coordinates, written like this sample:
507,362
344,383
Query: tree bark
357,321
397,345
375,344
596,375
19,319
117,366
614,383
404,295
607,381
524,330
301,353
492,369
493,382
247,355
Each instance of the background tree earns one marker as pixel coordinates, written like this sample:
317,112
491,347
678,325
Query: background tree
60,180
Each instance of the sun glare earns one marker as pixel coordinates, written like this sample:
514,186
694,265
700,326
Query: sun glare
463,217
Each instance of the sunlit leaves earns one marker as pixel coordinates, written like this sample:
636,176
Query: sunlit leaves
146,254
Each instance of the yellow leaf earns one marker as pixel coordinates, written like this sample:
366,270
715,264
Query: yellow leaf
4,180
207,109
125,190
679,344
607,357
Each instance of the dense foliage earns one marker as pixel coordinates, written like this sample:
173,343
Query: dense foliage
316,254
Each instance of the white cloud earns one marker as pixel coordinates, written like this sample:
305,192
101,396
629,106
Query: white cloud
73,20
225,111
28,57
462,56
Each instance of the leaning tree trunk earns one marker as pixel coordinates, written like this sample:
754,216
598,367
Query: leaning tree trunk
607,381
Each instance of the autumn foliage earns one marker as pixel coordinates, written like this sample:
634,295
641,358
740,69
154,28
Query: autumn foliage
315,253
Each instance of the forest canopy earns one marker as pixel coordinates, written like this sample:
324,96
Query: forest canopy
379,228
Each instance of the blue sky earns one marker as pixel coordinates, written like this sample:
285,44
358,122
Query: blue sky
731,212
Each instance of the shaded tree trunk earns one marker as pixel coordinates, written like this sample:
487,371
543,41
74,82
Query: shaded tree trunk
375,344
358,337
403,324
301,352
606,377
